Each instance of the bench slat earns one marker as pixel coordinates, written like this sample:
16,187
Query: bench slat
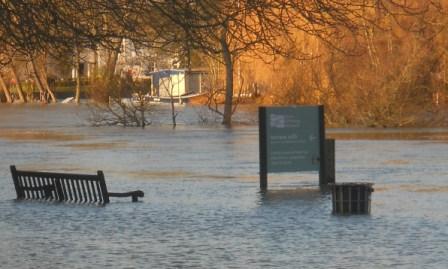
25,184
58,175
92,186
74,190
88,191
36,184
86,199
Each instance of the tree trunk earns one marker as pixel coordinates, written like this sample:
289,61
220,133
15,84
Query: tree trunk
5,89
173,113
173,108
78,78
170,91
111,65
227,118
19,84
188,56
44,81
38,80
95,74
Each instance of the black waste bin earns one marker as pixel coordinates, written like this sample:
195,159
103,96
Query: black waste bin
351,198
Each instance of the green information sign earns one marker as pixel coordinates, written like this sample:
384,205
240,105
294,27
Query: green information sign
291,139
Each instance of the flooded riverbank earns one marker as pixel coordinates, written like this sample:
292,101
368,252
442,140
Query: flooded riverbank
202,206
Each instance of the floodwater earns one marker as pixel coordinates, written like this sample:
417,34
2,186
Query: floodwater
202,206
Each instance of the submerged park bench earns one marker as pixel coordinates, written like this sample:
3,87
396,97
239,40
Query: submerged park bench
65,187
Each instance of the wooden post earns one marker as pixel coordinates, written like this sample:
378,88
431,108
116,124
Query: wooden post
263,148
323,161
333,190
330,168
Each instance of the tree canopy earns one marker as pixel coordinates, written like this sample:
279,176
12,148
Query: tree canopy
222,29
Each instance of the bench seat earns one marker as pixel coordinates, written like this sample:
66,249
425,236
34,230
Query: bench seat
65,187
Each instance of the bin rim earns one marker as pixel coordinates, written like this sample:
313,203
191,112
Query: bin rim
352,184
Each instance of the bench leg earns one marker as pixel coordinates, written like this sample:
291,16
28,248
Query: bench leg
48,192
59,190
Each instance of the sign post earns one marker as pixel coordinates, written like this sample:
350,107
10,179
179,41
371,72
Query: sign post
291,139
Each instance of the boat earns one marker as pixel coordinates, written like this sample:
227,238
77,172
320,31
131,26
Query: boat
193,98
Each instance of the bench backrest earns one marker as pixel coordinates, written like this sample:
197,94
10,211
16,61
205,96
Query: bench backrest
61,187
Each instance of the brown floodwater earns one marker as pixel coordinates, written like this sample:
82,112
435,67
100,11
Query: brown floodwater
202,206
24,135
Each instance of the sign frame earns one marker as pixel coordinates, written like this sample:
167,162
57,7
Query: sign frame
264,137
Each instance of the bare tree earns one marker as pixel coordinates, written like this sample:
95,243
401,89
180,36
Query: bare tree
5,89
379,33
18,82
171,87
126,106
228,29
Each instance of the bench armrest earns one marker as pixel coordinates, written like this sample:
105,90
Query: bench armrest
133,194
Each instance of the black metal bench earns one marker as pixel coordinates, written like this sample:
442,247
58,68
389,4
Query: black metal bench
65,187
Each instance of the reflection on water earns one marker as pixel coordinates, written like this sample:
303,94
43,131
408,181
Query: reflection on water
20,135
390,134
397,162
96,146
202,206
424,189
293,194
